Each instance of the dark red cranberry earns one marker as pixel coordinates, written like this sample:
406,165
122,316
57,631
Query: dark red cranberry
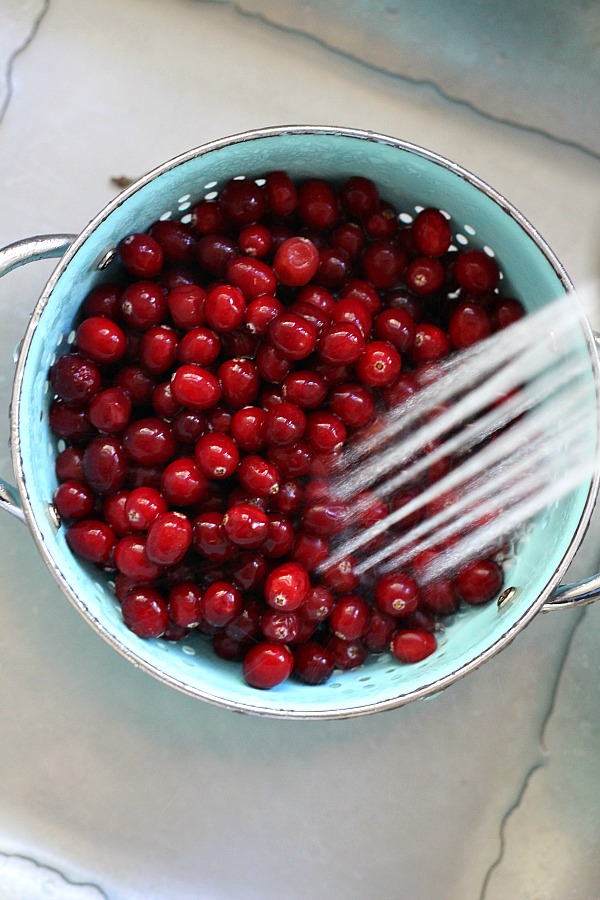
383,223
207,217
325,518
383,263
73,500
164,404
149,441
92,540
313,663
105,465
317,204
246,525
479,581
318,604
424,275
431,232
216,455
379,631
141,255
213,253
358,289
281,193
342,577
440,597
110,410
475,270
341,344
267,664
413,646
260,312
103,300
75,379
158,349
242,201
246,626
353,404
396,326
505,311
195,387
186,305
184,601
252,276
346,654
317,296
280,537
284,424
280,626
349,237
292,336
349,617
397,594
169,538
292,461
255,240
187,426
210,539
240,382
431,343
69,464
176,239
142,507
131,559
334,267
221,603
325,432
468,325
145,612
138,383
143,305
359,197
379,365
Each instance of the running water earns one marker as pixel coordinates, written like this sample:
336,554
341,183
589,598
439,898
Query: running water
517,414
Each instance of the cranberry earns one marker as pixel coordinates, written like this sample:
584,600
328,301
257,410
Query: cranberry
169,538
383,263
259,476
380,364
240,382
431,232
145,612
69,464
287,586
476,271
350,309
292,335
209,537
184,602
101,340
216,455
176,239
158,349
296,261
75,379
313,663
379,631
142,507
279,626
137,383
317,204
149,441
365,292
221,603
325,432
267,664
468,324
359,197
397,594
293,460
272,366
306,388
424,275
131,559
334,267
430,343
248,427
353,404
242,201
255,240
349,237
396,326
110,410
280,537
92,540
186,305
103,300
341,344
413,646
479,581
260,312
252,276
182,483
281,193
207,217
187,426
105,465
73,500
346,654
141,255
317,296
143,305
246,525
284,424
195,387
505,311
349,617
440,597
224,308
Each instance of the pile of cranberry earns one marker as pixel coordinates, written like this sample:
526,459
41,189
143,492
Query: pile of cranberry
210,392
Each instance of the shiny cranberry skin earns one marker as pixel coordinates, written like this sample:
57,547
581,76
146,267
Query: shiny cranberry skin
169,538
287,586
292,335
430,343
103,300
292,461
267,664
92,540
101,340
164,404
342,577
288,499
105,465
353,404
311,314
246,525
397,594
131,559
182,483
143,305
213,252
349,617
272,366
341,344
396,326
379,365
479,581
440,597
317,296
149,441
75,379
284,424
469,324
110,410
379,631
318,604
207,217
240,382
412,646
184,601
280,626
346,654
247,428
186,306
261,312
145,612
242,201
221,603
69,464
142,506
252,276
359,197
141,255
187,426
138,383
305,388
216,455
349,237
195,387
383,263
248,570
176,239
505,311
475,270
158,349
424,275
224,308
73,500
113,512
210,539
259,476
281,193
325,432
365,292
349,309
296,261
313,663
255,240
317,204
325,518
334,267
280,537
431,232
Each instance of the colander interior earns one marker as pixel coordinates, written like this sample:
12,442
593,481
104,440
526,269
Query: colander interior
407,176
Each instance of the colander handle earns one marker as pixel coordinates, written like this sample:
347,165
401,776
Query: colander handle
49,246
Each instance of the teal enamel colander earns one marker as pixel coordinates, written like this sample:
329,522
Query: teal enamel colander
408,176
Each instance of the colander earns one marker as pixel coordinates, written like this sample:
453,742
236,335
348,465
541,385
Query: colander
410,177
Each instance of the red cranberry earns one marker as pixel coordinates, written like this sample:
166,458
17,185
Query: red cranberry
224,308
131,559
440,597
349,617
287,586
195,387
272,366
359,197
280,537
430,343
176,239
145,612
292,336
349,237
209,537
184,601
379,631
207,217
293,460
142,507
169,538
186,305
296,261
246,525
182,483
73,500
306,388
143,305
216,455
424,275
280,627
475,270
413,646
365,292
431,232
479,581
313,663
397,594
92,540
396,326
468,324
505,311
325,432
255,240
75,379
284,424
341,344
380,364
240,382
252,276
281,193
346,654
317,204
103,300
141,255
242,201
333,269
221,603
105,465
149,441
383,263
353,404
101,340
110,410
69,464
267,664
260,312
